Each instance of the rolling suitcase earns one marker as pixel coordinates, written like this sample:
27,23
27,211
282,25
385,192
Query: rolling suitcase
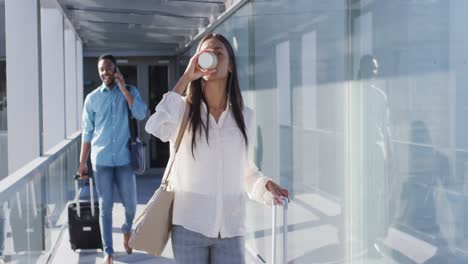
83,221
274,230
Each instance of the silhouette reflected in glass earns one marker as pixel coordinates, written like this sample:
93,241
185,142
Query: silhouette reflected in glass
377,149
426,209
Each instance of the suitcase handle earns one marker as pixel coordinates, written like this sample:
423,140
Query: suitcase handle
78,191
78,177
284,202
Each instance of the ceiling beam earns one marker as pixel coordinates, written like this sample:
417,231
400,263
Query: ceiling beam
156,20
104,27
180,8
128,53
136,37
106,43
131,11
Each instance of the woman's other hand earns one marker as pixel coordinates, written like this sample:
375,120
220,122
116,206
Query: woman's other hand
277,191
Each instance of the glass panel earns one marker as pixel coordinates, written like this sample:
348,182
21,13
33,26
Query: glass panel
300,101
16,238
56,200
72,162
24,228
361,114
4,227
236,30
32,219
3,97
297,84
408,150
36,216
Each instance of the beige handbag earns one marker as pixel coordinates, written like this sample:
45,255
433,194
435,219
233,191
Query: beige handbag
154,224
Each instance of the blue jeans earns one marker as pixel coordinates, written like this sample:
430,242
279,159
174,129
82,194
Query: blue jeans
124,178
190,247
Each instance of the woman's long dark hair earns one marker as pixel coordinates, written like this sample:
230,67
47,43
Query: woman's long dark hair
196,97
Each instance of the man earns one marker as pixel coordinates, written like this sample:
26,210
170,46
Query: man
106,133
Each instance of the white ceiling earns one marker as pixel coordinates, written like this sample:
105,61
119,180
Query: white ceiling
153,26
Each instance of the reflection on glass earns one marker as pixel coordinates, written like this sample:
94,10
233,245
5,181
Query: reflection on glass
361,108
376,152
409,151
3,97
299,82
3,122
31,220
3,217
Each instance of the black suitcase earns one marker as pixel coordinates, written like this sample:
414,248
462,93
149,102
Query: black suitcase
83,221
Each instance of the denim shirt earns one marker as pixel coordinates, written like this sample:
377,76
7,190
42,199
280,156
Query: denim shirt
105,124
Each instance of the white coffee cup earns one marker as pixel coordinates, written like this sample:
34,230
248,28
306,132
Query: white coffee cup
207,60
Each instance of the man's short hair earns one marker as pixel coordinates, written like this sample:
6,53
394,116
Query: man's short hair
108,57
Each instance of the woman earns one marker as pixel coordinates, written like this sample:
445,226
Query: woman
214,164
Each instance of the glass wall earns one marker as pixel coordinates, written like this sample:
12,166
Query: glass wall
33,212
292,59
408,134
361,115
3,97
301,84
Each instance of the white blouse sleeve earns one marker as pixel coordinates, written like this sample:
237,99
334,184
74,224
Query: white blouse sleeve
255,182
164,123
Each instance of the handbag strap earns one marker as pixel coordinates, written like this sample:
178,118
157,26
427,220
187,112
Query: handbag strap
180,134
132,122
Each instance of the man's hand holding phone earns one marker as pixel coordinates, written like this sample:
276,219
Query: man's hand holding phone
119,77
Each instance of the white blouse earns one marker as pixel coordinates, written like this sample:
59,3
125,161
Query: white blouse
209,186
